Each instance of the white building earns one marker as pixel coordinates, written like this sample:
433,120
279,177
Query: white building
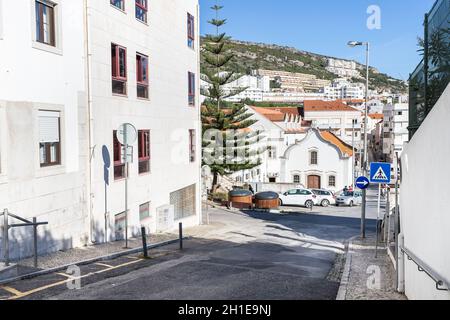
343,68
343,89
395,129
91,66
344,121
298,154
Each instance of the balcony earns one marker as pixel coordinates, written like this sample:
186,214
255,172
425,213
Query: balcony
432,75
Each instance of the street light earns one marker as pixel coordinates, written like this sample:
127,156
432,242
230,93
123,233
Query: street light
353,44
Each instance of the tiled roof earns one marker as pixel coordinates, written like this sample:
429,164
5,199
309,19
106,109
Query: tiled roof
319,105
296,131
376,116
330,137
270,113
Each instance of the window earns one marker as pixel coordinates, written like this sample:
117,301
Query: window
184,202
119,165
144,211
332,181
120,4
142,76
141,10
45,22
191,30
49,138
272,152
296,178
144,151
192,145
119,69
191,77
314,158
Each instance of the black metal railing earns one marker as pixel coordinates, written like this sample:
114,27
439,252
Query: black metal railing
432,75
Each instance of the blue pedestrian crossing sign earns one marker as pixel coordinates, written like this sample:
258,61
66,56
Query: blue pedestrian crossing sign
362,183
380,172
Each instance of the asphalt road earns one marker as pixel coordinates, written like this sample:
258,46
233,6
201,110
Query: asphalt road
249,255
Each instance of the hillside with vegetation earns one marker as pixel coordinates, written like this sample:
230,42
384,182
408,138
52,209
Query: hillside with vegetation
251,56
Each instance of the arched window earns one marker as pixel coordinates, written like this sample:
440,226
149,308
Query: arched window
296,178
332,181
314,158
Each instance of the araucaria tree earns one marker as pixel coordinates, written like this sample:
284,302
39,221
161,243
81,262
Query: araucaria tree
228,143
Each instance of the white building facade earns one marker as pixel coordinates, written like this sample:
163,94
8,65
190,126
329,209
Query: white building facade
92,66
395,129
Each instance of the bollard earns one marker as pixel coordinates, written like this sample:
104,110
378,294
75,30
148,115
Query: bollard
180,227
144,242
5,237
35,250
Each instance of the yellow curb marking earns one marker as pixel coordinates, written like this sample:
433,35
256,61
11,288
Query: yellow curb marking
103,265
18,294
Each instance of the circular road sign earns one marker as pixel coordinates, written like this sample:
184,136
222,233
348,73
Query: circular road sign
127,134
362,183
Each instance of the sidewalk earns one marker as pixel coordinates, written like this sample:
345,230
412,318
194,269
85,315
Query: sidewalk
366,277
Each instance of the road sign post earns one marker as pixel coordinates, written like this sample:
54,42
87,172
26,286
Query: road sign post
380,173
126,135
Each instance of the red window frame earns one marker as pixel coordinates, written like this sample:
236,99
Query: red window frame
144,151
191,86
192,145
118,52
141,69
143,5
40,6
121,6
191,30
119,166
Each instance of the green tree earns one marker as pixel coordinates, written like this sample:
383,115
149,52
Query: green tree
227,142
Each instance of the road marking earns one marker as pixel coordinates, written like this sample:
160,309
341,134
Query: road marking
12,290
103,265
66,275
18,294
133,258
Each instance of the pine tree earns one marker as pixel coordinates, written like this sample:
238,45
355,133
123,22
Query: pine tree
232,143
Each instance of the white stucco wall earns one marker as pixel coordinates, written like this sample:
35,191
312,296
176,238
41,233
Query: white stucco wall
425,218
166,113
296,160
34,77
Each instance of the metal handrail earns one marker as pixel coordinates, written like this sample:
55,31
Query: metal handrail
26,223
441,283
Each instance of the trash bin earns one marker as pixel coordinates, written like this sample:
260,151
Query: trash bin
267,200
240,199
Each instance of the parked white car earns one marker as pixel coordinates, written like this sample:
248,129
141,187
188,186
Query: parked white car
324,197
298,197
349,198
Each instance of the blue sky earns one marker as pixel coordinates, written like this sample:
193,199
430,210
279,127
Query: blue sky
325,26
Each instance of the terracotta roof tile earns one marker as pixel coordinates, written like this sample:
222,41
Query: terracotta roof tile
376,116
319,105
330,137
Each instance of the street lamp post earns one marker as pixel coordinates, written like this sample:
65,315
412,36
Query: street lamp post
365,151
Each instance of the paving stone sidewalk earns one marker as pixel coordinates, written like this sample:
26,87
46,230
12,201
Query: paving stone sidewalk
366,277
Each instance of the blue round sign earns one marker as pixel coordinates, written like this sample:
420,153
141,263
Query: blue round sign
362,183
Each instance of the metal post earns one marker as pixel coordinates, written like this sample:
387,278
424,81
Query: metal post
180,232
144,242
5,237
378,220
365,153
126,200
35,243
353,151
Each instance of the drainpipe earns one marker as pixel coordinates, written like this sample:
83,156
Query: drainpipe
89,120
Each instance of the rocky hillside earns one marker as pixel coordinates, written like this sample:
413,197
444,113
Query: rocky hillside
250,56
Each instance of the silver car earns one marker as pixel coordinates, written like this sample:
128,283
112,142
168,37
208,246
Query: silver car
324,197
349,198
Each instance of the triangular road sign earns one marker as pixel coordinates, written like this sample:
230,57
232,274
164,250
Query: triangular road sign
380,175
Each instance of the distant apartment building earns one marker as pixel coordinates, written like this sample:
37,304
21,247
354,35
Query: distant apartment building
72,72
395,129
294,82
343,89
342,68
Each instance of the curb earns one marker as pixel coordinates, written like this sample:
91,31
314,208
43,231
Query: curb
89,261
343,286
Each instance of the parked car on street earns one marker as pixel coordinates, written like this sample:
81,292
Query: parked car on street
349,198
324,197
299,197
